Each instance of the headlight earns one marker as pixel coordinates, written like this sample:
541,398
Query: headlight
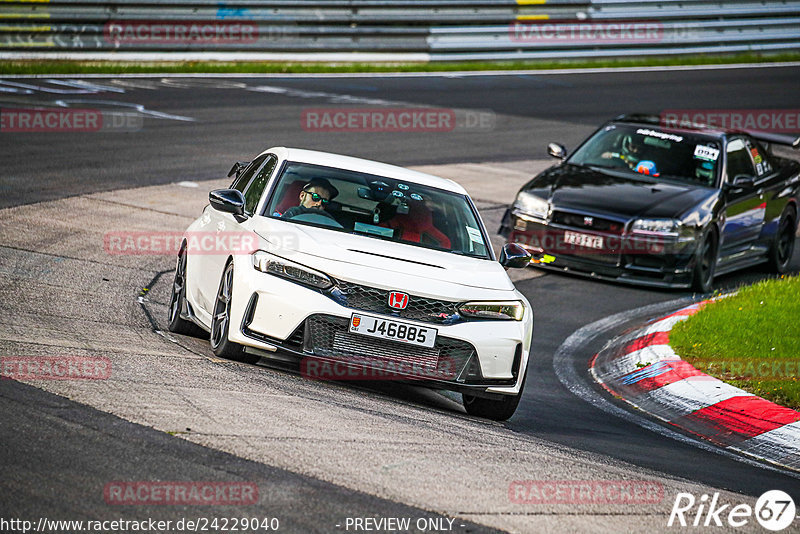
267,263
659,227
532,205
505,310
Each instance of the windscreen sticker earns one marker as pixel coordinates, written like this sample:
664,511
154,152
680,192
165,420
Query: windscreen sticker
760,168
660,135
706,152
475,234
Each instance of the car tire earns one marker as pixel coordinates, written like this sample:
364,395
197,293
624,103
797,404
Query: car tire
221,321
177,302
705,263
496,410
782,249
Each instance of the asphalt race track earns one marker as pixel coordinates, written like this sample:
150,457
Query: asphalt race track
319,452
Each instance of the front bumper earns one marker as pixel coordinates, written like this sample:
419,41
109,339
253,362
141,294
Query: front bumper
479,357
650,261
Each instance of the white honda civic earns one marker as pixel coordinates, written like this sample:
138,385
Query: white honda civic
361,270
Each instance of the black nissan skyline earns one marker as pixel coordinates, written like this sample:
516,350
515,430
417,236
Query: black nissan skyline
660,204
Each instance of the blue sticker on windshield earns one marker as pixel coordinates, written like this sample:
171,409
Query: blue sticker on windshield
404,187
398,194
416,197
707,165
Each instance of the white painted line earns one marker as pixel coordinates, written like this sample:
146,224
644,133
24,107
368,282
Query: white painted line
188,184
693,393
439,74
334,57
783,443
665,325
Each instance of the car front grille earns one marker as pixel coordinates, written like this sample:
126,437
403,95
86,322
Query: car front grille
372,299
582,222
329,337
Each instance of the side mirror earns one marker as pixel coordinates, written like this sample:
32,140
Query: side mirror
514,256
227,201
744,181
237,168
557,151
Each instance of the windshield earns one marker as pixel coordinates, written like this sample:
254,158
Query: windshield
652,152
377,207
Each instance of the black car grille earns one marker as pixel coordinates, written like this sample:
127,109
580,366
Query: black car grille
581,222
329,337
372,299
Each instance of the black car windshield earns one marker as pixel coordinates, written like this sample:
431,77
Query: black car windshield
652,152
377,207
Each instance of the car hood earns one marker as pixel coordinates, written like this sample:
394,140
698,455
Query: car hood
374,261
583,188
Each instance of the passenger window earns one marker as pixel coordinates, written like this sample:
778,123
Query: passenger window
739,161
240,183
256,188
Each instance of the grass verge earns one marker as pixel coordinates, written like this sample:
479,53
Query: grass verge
750,340
11,67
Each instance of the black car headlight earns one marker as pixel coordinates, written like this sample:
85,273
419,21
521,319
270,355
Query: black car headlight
672,229
271,264
511,310
532,205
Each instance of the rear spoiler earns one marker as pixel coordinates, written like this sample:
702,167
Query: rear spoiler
785,140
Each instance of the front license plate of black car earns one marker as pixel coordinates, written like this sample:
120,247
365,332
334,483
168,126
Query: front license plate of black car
383,328
583,240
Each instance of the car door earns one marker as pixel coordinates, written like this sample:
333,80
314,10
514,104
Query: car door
211,262
745,207
770,183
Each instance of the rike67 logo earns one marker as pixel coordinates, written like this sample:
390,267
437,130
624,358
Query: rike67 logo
774,510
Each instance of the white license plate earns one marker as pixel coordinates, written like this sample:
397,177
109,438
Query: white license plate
394,330
583,240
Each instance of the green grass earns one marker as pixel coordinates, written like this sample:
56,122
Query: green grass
750,340
118,67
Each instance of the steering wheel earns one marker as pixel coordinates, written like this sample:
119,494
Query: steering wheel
322,218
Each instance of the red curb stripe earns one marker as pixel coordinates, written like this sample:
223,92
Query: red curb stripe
737,419
656,338
679,370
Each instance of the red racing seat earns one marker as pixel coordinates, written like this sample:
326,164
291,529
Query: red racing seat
290,197
418,222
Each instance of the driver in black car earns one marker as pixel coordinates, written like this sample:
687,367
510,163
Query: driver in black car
314,196
630,152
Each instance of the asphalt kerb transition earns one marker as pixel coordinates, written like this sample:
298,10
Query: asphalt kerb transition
642,369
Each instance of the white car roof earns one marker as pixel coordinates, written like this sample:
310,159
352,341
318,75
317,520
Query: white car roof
364,165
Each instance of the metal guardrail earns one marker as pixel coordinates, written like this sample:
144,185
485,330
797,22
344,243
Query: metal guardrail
442,29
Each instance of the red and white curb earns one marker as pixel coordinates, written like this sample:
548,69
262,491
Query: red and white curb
643,370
